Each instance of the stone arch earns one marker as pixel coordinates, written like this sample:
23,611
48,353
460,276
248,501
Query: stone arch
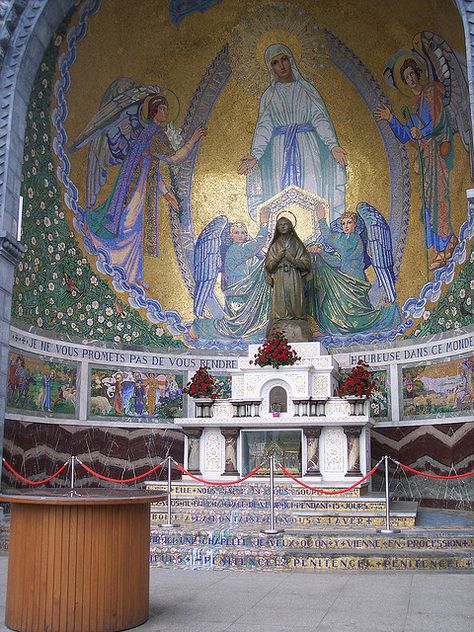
37,20
266,390
278,397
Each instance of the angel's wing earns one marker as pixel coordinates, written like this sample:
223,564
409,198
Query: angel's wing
447,66
111,131
378,242
204,99
208,261
112,108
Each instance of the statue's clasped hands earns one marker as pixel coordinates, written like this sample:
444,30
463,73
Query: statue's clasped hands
264,215
320,210
286,256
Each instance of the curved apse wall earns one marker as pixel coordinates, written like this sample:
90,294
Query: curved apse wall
135,279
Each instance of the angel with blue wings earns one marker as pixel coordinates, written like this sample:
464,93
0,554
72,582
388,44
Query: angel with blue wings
130,130
350,244
436,77
225,248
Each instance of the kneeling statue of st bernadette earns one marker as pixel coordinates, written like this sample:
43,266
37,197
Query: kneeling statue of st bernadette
288,268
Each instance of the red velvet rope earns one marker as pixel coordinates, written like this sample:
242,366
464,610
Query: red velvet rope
202,480
120,480
444,478
27,480
325,491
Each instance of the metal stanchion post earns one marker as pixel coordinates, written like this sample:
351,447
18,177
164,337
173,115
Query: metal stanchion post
168,524
387,529
73,476
272,530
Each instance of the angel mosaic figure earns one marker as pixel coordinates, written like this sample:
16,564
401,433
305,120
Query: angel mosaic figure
226,248
352,243
294,140
130,130
441,107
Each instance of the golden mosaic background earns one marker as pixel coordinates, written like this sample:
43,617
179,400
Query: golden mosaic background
136,39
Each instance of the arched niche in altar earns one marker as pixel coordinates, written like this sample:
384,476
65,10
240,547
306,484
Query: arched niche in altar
278,400
276,391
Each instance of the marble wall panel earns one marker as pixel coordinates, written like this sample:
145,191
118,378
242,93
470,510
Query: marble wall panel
444,449
37,450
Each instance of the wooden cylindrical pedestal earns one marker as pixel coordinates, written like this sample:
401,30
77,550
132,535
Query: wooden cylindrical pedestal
78,564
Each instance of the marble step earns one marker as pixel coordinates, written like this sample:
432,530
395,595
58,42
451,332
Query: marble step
403,516
329,540
289,503
365,519
219,558
260,489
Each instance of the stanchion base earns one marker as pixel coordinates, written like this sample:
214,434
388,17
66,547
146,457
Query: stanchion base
168,525
388,531
272,531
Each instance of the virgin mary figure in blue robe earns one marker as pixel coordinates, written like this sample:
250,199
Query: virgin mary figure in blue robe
293,140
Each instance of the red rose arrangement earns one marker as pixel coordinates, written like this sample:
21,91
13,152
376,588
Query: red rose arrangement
275,352
202,384
358,383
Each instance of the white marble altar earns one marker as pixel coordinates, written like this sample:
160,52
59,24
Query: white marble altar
335,433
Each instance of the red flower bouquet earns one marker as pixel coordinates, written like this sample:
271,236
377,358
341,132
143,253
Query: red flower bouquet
275,352
202,384
358,383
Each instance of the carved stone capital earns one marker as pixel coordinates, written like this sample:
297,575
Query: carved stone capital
230,433
313,432
10,248
193,433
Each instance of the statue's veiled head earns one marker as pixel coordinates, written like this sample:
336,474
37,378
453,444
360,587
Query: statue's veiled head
284,226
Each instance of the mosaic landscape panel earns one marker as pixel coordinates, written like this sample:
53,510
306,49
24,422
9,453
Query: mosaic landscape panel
439,388
41,386
135,394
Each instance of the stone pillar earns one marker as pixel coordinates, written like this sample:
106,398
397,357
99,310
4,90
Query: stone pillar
312,451
353,450
10,251
230,435
194,449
